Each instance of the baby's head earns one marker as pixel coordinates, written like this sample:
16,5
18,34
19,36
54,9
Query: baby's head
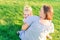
27,11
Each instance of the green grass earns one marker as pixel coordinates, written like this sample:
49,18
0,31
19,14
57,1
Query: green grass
11,16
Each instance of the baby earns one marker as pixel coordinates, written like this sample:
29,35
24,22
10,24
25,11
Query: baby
27,12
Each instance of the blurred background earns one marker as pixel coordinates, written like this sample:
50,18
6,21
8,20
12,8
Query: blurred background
11,16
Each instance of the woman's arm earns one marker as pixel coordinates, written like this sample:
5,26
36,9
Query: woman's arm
25,26
27,23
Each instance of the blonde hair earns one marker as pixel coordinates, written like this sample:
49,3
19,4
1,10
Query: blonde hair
28,8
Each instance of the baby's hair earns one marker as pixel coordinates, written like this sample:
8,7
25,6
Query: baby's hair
28,8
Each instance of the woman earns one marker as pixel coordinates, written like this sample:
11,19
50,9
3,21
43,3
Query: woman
36,28
47,19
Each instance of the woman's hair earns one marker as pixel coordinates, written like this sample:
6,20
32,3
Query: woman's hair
48,11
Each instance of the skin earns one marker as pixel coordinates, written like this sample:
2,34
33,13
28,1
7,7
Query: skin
25,26
27,12
42,15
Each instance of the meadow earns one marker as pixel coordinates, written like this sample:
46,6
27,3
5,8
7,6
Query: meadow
11,16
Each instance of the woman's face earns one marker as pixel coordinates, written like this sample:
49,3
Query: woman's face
42,15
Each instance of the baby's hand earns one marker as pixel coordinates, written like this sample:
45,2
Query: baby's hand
48,36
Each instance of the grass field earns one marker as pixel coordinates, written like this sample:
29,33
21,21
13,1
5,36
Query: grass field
11,16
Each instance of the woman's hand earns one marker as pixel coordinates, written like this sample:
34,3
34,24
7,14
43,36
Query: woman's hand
25,26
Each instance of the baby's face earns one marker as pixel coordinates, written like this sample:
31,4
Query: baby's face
26,15
27,12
